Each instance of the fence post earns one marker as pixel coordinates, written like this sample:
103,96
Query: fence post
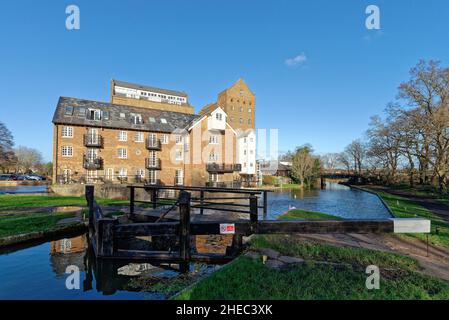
201,201
265,203
131,201
154,197
105,237
90,203
184,220
253,211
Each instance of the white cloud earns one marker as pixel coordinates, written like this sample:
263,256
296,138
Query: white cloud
296,61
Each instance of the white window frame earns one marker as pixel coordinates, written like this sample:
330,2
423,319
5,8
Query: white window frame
152,176
122,136
67,132
178,139
123,173
213,139
179,177
67,151
139,137
122,153
164,139
178,155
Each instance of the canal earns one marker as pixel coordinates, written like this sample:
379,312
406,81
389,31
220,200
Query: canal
39,271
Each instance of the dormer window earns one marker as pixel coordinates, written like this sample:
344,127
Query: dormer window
68,111
136,118
219,116
94,114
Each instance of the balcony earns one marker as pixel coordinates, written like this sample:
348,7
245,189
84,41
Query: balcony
153,164
224,184
93,141
153,144
223,168
92,164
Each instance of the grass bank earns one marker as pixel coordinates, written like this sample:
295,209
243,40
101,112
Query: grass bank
404,208
299,214
23,201
247,278
15,224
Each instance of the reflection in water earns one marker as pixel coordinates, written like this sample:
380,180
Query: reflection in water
39,273
336,199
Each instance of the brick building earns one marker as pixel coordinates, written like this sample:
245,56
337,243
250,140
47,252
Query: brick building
147,135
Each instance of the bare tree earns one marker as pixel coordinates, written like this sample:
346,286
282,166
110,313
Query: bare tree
305,166
27,158
6,145
356,151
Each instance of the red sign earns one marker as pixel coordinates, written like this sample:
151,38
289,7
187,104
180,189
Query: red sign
227,228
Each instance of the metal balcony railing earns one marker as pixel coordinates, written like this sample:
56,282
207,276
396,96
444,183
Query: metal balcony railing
153,164
223,168
153,144
92,164
93,141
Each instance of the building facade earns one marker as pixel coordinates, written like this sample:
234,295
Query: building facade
147,135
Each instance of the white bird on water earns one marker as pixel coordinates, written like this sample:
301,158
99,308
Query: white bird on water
290,207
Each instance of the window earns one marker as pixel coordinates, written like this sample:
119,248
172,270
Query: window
178,155
122,153
164,139
241,109
110,174
178,139
249,110
219,116
151,119
213,139
122,115
68,111
122,173
241,120
91,154
138,137
233,108
136,118
122,136
152,177
67,132
94,114
179,177
213,157
106,115
251,164
140,173
82,112
67,151
163,120
152,140
244,152
213,177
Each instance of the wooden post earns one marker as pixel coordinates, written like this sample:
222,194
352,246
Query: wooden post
90,203
184,230
105,237
253,211
265,204
154,197
131,201
201,201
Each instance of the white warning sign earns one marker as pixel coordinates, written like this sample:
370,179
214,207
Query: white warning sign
227,228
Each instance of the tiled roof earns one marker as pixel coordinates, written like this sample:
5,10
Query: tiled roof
175,120
148,88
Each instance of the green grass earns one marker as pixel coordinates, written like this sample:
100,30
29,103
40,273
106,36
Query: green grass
299,214
290,186
404,208
14,224
250,280
18,201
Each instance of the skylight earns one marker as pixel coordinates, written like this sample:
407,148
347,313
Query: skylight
163,120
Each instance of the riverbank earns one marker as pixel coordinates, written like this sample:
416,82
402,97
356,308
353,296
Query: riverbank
408,205
317,267
26,218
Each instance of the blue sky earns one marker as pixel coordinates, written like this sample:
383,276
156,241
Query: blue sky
346,74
